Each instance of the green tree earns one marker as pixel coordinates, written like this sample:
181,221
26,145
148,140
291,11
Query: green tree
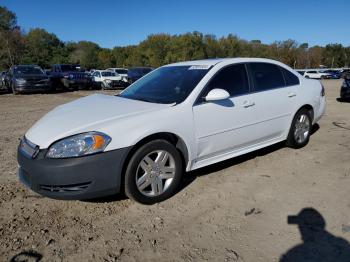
11,42
43,48
84,53
105,58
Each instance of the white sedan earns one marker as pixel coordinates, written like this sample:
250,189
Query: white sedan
107,79
177,118
316,74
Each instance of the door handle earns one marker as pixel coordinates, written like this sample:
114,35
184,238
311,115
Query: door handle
247,104
292,94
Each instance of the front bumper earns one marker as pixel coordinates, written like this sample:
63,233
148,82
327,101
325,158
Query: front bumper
32,87
76,82
77,178
115,84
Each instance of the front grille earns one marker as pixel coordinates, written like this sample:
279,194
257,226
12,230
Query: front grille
79,76
115,83
65,188
36,80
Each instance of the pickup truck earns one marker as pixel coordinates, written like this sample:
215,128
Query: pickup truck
69,77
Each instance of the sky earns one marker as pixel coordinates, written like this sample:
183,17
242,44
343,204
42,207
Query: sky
120,23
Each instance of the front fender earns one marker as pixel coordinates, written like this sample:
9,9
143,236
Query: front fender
129,131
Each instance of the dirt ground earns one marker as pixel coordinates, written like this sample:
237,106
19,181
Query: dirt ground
232,211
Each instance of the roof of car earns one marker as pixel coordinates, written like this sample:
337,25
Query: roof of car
214,61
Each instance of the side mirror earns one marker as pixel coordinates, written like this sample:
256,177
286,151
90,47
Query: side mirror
217,94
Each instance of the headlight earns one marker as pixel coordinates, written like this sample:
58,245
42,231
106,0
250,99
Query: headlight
79,145
21,80
108,81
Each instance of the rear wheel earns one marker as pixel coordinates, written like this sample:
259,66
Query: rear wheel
153,173
300,131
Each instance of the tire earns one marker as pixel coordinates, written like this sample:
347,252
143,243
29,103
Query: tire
307,77
103,86
303,122
153,186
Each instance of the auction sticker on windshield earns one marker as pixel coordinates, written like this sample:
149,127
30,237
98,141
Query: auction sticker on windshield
199,67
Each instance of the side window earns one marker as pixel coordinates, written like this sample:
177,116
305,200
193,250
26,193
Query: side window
291,79
232,78
266,76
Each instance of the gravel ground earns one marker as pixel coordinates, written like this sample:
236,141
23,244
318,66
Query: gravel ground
232,211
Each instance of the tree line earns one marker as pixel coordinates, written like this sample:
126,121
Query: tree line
44,48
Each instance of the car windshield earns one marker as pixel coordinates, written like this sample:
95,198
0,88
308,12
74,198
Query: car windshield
121,71
70,68
170,84
108,73
28,70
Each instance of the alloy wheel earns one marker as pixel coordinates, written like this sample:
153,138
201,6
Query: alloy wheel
155,173
302,128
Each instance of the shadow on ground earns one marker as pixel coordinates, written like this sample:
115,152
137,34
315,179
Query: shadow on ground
27,256
318,245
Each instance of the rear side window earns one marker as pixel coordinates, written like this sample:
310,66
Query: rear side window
232,78
266,76
291,79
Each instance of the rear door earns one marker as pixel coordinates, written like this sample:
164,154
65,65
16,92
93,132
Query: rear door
274,93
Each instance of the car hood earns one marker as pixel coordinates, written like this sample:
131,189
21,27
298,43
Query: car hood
84,115
31,76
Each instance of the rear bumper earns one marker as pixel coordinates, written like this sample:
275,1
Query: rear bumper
73,178
321,110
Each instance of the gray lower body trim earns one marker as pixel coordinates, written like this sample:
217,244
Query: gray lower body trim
73,178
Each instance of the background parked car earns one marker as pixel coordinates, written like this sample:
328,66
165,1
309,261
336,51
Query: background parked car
314,74
69,76
334,74
345,73
107,79
345,89
47,71
27,78
136,73
120,71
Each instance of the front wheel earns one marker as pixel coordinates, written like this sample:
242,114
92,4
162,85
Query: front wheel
300,131
153,173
